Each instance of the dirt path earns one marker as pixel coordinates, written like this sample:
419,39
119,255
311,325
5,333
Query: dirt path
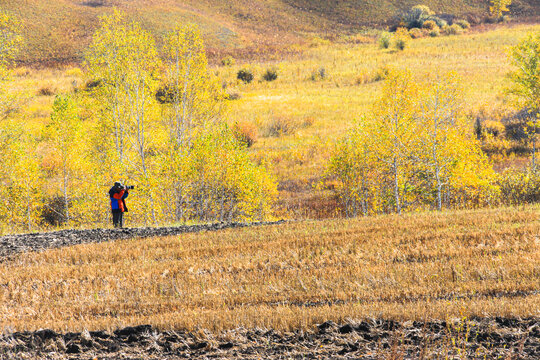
498,338
14,244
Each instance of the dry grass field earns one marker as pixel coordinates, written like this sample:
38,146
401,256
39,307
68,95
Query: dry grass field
418,266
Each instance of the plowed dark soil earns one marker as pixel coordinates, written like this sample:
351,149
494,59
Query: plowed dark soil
497,338
14,244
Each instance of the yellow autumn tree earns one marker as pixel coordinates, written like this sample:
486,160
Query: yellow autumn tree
63,133
499,7
447,153
526,86
222,184
207,171
124,63
394,122
10,43
21,179
191,105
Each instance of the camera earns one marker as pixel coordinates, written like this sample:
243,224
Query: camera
130,187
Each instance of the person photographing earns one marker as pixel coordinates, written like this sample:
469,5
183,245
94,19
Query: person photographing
118,194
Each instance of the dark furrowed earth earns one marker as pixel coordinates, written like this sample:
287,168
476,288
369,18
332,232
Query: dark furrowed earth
479,338
475,338
11,245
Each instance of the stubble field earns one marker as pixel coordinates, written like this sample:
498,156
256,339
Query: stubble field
284,277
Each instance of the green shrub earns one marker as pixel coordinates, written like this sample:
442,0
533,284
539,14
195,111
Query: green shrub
435,32
438,21
417,15
246,75
384,40
420,14
228,61
270,74
453,30
464,24
401,44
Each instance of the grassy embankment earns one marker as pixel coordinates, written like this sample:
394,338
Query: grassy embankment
422,266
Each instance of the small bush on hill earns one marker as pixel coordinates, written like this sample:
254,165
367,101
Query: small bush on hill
416,33
402,38
418,15
246,75
319,74
232,94
228,61
453,30
429,24
270,74
435,32
280,126
384,40
46,90
381,73
464,24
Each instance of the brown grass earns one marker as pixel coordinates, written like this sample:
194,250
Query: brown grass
291,276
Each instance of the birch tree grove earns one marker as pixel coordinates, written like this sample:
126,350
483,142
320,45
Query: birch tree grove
160,117
416,151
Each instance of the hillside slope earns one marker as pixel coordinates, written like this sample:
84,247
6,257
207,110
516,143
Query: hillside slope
59,30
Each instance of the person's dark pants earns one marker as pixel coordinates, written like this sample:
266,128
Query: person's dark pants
118,219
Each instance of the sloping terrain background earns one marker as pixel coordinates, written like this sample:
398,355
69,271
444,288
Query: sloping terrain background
58,31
